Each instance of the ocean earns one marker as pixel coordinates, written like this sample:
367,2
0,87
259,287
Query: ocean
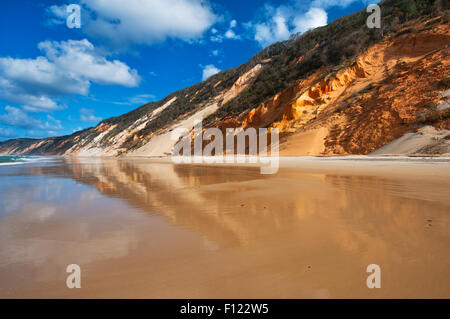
20,159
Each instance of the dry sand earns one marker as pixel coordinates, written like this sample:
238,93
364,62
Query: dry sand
307,143
425,140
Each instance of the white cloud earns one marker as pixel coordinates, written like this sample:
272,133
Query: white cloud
144,21
87,116
283,21
80,59
209,70
58,14
278,23
139,99
142,99
17,118
314,18
215,52
216,38
67,68
335,3
231,35
276,29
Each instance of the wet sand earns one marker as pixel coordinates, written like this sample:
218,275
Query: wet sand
149,229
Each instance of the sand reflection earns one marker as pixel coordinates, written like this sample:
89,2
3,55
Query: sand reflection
145,229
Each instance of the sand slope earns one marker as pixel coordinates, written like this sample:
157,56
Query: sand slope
427,140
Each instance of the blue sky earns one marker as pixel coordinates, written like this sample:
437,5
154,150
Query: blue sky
55,80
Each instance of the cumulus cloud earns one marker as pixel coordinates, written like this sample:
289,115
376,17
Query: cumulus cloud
209,70
281,22
18,118
66,68
81,60
229,34
273,30
144,21
278,23
314,18
57,14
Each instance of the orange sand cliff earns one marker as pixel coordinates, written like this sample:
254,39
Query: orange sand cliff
375,100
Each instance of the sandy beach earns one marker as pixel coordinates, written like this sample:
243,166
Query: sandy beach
143,228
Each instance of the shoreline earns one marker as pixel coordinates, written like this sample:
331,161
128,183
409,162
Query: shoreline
436,168
411,167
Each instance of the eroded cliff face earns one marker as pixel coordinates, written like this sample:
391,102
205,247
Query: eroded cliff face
392,88
395,87
131,138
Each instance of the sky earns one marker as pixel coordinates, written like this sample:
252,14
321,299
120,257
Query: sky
55,80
